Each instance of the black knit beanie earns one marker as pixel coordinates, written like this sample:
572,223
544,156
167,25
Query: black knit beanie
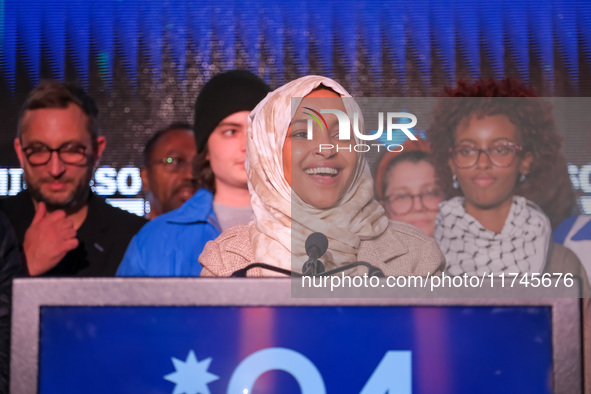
223,95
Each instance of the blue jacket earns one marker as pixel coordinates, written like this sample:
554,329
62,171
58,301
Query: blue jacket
170,244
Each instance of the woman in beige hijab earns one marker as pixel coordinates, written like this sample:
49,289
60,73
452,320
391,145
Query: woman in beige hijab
302,183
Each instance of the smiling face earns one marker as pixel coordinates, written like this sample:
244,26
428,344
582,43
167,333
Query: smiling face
485,185
320,177
58,184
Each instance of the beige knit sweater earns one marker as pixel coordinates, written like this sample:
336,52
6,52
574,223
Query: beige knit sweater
401,250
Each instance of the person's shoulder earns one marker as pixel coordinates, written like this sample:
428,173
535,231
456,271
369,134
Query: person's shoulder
156,224
18,202
124,218
408,231
234,238
421,248
173,223
19,209
4,223
196,210
229,252
563,260
152,231
9,200
561,255
115,215
5,226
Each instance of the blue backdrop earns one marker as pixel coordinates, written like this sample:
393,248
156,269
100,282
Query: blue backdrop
145,61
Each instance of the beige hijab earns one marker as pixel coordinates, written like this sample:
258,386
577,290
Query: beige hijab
282,221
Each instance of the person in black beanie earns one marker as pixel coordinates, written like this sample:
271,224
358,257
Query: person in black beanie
170,244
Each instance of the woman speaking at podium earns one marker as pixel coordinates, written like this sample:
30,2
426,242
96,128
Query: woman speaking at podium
304,178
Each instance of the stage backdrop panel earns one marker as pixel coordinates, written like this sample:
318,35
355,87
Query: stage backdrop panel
145,62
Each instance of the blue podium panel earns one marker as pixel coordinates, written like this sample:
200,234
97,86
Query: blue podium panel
295,349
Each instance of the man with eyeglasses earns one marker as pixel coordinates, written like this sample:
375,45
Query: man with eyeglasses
167,176
64,229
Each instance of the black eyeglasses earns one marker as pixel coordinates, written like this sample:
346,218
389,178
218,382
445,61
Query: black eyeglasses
500,154
403,203
69,153
173,163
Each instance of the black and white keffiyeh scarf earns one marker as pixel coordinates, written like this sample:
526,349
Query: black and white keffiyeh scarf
521,246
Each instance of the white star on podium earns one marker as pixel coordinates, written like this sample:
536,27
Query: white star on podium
191,376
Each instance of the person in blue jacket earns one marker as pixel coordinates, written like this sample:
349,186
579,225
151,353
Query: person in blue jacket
170,244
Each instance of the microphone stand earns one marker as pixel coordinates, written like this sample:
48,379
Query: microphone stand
313,267
372,270
316,245
241,273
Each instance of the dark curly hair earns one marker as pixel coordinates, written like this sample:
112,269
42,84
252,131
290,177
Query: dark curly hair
548,183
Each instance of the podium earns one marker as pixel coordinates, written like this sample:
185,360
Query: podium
200,335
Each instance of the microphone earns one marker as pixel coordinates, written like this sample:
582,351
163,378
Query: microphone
316,245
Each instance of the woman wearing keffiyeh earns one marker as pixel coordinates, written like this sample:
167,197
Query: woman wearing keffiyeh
297,189
493,144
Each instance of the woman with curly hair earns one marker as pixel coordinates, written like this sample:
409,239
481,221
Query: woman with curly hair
493,146
548,183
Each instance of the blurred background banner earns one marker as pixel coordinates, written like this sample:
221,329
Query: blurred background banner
145,62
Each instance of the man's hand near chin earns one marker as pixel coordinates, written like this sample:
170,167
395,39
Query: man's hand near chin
47,240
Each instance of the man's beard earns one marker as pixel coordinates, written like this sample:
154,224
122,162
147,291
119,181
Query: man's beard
172,203
77,198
